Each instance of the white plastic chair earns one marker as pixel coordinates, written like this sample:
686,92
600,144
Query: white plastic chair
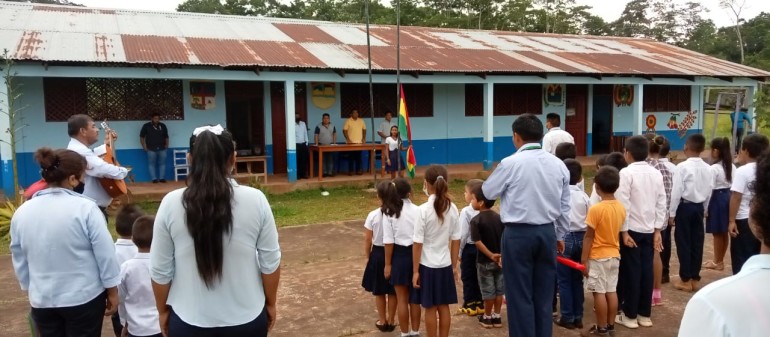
181,167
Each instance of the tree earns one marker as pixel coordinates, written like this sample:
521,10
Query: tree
595,25
13,113
736,8
634,21
665,21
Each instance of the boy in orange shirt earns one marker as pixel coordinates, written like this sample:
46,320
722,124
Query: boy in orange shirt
601,250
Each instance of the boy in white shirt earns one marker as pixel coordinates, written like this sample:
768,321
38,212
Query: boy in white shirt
555,135
472,304
124,247
137,302
692,184
743,244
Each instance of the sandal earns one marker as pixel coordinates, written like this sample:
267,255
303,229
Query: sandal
381,327
713,265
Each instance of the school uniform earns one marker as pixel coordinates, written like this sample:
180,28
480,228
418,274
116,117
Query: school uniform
303,154
571,280
554,137
468,253
374,274
693,183
533,187
437,285
665,234
394,154
719,204
400,232
125,249
642,193
137,301
745,245
487,229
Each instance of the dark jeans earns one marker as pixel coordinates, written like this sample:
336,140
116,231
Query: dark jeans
156,164
529,269
689,236
355,162
739,138
468,274
570,280
743,246
83,320
256,328
302,160
636,276
665,255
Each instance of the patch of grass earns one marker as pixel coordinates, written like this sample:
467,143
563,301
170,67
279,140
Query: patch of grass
724,129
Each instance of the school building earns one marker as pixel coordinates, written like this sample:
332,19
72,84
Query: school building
463,88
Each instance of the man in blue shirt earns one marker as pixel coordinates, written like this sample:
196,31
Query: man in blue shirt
533,186
742,116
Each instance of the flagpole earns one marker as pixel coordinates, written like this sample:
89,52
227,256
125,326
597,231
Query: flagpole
371,89
398,81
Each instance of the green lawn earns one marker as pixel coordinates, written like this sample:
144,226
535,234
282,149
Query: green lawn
723,126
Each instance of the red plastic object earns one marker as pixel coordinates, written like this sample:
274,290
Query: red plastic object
32,189
569,263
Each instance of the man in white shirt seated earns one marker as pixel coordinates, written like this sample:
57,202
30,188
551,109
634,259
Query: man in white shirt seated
555,135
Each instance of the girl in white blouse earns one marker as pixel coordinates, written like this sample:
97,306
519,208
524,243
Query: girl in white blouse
719,206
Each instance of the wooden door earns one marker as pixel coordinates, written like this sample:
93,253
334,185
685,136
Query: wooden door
245,115
576,123
278,103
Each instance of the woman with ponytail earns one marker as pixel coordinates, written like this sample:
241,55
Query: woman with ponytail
719,206
206,276
434,265
62,252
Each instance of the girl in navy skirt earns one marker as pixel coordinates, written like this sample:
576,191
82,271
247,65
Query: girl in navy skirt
719,206
394,162
374,275
434,265
398,230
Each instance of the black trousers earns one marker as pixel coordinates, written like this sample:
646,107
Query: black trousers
689,236
355,162
636,276
743,246
117,328
302,160
83,320
256,328
529,277
665,255
468,274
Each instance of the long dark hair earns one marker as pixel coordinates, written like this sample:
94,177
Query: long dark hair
437,176
208,199
722,145
403,187
760,204
391,203
57,166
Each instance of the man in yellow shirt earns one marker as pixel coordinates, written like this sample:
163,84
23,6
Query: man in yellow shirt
355,133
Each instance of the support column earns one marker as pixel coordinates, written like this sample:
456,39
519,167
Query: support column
489,131
291,142
590,121
6,176
750,104
638,109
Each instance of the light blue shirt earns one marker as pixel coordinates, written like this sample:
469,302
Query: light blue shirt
533,187
300,133
250,250
62,251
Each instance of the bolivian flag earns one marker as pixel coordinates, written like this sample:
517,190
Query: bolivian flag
405,129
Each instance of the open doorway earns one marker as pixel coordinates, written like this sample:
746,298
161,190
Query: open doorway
602,119
246,117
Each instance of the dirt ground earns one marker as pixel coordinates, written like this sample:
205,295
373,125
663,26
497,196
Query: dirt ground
320,293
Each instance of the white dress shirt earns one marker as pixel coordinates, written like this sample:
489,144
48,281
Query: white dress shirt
595,198
61,249
239,297
374,223
137,301
400,230
533,186
125,250
736,306
300,133
580,203
435,235
720,177
693,182
743,178
97,168
466,214
643,195
554,137
669,165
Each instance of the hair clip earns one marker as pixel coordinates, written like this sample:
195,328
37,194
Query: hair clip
215,129
440,177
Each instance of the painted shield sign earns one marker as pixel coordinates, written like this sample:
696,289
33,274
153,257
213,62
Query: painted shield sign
323,94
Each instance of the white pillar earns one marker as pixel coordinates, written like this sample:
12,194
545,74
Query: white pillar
638,109
489,131
750,103
291,142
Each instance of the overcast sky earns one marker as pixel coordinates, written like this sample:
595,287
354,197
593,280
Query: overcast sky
609,10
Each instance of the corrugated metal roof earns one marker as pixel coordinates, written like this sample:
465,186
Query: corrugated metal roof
77,34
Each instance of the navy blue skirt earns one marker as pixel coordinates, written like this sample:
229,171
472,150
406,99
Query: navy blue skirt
719,207
401,271
394,156
374,275
437,286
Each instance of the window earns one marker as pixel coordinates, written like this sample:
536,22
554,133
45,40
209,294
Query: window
518,99
474,100
419,99
666,98
112,99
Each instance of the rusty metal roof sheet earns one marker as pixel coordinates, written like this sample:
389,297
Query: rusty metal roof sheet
92,35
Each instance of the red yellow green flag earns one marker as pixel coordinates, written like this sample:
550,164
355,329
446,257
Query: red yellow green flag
404,129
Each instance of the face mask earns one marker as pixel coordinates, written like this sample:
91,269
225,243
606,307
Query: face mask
425,190
296,120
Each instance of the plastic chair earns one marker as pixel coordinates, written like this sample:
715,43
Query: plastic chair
181,167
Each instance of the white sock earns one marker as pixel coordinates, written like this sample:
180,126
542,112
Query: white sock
406,334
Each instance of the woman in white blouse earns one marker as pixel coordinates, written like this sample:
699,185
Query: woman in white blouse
215,257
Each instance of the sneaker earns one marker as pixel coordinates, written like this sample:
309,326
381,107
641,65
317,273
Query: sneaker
594,331
578,323
644,321
683,285
569,325
162,180
155,181
630,323
497,322
611,330
486,322
463,309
